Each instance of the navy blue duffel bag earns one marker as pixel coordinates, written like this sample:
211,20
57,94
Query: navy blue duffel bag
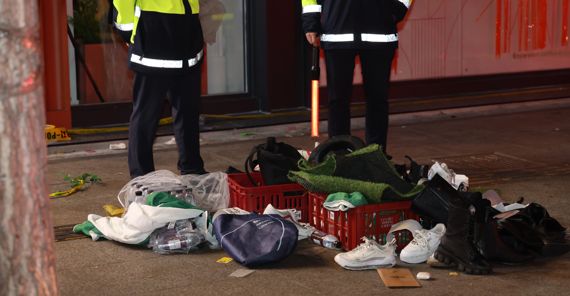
254,240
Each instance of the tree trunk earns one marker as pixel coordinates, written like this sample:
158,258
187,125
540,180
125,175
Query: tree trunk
27,262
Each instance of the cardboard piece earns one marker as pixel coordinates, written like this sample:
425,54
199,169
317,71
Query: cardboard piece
398,278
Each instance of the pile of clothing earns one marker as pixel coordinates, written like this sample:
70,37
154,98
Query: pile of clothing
459,229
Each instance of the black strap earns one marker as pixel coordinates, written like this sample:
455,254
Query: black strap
250,164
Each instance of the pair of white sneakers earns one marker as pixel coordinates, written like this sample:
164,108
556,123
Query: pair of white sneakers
372,255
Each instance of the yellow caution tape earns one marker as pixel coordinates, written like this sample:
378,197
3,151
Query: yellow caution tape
56,134
68,192
113,211
77,183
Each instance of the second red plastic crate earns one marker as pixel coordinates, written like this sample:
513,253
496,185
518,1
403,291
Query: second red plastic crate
252,198
372,221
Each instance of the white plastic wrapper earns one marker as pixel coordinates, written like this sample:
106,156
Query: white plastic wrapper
210,192
138,188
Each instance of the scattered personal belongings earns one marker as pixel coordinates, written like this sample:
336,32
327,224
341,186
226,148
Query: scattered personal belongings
78,183
433,262
208,192
423,275
293,216
366,170
423,244
232,211
414,173
113,211
181,236
398,278
458,181
141,220
342,201
493,197
275,160
337,145
275,238
368,255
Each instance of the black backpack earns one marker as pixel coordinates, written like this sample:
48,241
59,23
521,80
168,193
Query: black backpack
275,160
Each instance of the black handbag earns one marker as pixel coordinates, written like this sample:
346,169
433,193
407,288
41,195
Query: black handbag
275,160
432,204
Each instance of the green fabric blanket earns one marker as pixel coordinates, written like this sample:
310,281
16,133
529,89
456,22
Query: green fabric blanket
366,170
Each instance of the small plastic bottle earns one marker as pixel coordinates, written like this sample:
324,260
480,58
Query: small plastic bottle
185,242
326,240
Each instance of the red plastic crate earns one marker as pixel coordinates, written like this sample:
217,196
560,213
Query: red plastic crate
252,198
373,221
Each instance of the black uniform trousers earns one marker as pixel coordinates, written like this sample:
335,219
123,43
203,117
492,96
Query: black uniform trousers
149,91
376,67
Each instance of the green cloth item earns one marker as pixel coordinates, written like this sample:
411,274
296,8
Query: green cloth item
156,199
373,191
164,199
342,201
88,229
365,170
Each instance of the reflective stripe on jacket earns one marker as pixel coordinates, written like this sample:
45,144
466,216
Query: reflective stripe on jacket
354,23
165,35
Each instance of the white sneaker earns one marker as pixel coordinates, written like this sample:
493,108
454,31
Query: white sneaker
423,245
368,255
305,230
459,182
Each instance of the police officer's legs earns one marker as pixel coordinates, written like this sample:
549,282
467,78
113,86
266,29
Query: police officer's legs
185,99
376,67
148,97
340,69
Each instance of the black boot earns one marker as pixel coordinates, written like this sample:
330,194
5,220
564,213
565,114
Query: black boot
432,204
488,238
493,247
457,245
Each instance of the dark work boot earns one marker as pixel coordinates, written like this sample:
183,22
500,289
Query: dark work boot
488,237
492,246
457,245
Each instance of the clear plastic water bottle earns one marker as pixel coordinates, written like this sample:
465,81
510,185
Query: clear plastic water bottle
326,240
182,242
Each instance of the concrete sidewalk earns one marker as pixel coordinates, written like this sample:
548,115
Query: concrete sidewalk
520,154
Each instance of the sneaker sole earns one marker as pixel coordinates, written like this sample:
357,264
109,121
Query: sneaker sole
414,259
366,265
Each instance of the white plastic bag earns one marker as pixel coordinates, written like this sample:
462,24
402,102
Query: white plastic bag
210,192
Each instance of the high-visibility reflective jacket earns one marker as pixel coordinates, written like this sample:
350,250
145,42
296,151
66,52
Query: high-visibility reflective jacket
354,23
165,35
